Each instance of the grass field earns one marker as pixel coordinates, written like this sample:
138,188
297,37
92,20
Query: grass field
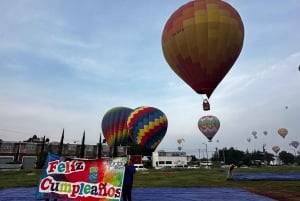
214,177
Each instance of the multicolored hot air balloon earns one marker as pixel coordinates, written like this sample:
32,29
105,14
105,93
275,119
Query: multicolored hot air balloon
114,126
282,132
276,149
201,41
147,127
209,126
294,144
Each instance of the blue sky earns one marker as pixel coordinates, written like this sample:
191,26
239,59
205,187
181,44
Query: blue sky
64,64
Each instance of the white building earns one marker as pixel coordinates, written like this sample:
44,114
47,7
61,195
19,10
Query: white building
169,159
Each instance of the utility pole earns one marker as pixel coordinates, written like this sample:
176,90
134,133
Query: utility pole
206,153
199,158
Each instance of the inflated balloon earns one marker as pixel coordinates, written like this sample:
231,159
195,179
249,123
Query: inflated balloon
295,144
249,139
180,140
147,127
209,126
276,149
254,133
265,132
282,132
201,41
114,126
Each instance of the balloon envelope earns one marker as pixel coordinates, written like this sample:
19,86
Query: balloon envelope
201,41
147,126
114,126
282,132
276,149
295,144
209,126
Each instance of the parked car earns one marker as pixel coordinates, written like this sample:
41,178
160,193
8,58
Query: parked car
140,167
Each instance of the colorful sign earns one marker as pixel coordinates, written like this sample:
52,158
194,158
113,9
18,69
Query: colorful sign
81,179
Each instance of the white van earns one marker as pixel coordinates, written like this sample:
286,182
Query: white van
139,167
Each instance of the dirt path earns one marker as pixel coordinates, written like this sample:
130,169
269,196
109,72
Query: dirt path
281,195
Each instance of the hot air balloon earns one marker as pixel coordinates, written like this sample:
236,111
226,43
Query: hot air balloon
180,140
276,149
254,133
147,127
209,126
114,126
282,132
294,144
201,41
249,139
265,132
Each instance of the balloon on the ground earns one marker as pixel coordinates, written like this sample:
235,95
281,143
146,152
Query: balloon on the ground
114,126
276,149
209,126
147,126
294,144
282,132
201,41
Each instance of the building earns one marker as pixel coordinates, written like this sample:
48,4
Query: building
12,154
163,159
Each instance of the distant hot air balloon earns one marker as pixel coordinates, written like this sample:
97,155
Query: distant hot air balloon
180,140
265,132
254,133
209,126
114,126
147,127
249,139
282,132
276,149
295,144
201,41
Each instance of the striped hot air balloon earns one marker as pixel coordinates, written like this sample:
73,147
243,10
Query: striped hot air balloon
114,126
209,126
147,126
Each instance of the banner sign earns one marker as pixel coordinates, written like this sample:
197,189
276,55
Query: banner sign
81,179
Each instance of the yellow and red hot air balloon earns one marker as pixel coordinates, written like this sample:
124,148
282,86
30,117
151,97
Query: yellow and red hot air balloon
209,126
282,132
201,41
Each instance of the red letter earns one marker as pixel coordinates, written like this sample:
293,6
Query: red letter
52,166
75,190
45,183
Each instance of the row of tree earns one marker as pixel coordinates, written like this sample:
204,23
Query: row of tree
239,157
256,158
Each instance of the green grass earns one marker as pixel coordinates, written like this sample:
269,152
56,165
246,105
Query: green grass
214,177
22,178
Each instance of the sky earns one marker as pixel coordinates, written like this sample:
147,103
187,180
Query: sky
64,64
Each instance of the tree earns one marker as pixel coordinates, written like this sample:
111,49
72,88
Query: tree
286,158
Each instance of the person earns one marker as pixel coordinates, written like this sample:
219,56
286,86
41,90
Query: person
128,181
230,171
